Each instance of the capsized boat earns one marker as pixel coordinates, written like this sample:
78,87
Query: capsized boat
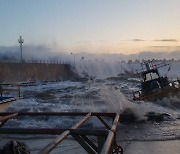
153,85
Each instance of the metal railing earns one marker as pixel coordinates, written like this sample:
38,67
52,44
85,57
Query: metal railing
106,136
36,61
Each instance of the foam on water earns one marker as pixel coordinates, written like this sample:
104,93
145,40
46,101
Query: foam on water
170,102
95,97
114,99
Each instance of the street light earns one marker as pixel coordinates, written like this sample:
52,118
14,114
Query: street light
21,41
74,58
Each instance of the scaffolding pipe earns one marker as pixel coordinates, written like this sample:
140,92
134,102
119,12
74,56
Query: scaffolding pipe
59,139
111,137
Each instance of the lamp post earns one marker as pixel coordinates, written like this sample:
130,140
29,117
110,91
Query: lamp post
21,41
74,58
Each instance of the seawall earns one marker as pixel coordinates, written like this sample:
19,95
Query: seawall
16,72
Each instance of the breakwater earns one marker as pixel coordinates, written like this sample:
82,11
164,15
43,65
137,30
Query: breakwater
17,71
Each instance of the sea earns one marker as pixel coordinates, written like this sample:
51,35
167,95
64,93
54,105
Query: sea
101,95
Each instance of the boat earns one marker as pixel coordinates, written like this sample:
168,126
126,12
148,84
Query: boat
153,85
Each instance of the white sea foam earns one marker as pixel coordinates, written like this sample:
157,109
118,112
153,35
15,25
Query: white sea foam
114,99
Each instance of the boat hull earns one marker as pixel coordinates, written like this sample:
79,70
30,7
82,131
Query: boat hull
158,95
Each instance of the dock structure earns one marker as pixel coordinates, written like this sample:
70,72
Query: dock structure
105,142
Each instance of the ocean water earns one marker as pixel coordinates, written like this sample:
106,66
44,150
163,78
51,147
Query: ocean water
99,96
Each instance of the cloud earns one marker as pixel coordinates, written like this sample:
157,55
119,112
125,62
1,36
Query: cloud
134,40
78,42
121,43
137,40
102,40
172,48
82,42
167,40
158,46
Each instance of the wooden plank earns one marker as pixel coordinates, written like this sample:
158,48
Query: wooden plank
5,118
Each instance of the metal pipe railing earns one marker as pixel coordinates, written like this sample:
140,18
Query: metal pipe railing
59,139
111,136
106,137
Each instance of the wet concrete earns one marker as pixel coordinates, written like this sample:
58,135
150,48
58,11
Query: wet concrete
152,147
69,146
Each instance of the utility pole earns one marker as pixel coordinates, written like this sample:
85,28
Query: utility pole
21,41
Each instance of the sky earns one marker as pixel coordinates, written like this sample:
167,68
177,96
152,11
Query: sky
94,26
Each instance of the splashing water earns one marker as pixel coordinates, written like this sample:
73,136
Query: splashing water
170,102
93,97
114,99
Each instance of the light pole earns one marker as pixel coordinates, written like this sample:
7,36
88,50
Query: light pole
21,41
74,58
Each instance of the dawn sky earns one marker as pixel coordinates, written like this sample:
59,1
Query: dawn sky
97,26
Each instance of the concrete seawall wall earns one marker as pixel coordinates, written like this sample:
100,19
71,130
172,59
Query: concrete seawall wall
14,72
